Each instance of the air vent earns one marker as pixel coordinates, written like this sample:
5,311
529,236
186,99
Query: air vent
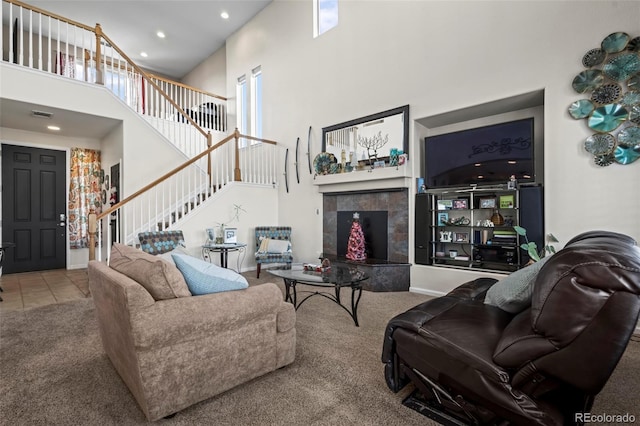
41,114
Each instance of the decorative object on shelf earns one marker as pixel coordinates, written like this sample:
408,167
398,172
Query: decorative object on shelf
488,203
402,158
445,204
612,82
372,145
230,235
378,164
219,235
421,186
355,245
445,236
393,157
458,221
322,163
532,248
506,201
443,218
461,204
496,218
453,254
513,183
461,237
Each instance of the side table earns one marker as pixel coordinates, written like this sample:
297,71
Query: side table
224,250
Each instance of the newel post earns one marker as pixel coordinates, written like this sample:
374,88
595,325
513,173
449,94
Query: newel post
99,70
92,234
209,143
237,176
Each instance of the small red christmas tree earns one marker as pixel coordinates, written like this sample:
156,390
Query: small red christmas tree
355,246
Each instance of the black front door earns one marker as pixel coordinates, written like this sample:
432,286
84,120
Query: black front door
34,208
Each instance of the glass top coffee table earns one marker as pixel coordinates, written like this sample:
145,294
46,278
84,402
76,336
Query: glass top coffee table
336,278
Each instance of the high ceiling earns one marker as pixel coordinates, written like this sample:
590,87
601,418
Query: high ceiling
194,29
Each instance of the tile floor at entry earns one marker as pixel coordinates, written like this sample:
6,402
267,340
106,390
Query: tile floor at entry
32,289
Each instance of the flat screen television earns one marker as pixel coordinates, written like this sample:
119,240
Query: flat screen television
480,156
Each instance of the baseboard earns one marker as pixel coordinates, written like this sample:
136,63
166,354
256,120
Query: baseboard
427,292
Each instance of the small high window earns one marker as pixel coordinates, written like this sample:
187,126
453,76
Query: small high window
325,16
242,113
256,102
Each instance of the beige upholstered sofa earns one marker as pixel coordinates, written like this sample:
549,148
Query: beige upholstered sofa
175,352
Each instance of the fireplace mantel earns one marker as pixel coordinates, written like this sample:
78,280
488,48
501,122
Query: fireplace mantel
363,180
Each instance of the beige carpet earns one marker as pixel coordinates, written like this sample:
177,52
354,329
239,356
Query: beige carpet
53,371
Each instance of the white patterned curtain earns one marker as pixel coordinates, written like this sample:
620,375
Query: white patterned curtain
84,194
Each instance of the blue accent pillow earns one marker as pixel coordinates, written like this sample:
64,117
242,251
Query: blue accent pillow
205,278
513,293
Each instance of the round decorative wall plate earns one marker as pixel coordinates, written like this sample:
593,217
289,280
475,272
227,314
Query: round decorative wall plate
322,163
629,136
607,93
626,155
587,80
615,42
593,57
610,88
622,67
607,117
581,108
631,98
600,144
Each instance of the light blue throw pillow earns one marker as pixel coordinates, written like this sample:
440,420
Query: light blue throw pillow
204,278
513,293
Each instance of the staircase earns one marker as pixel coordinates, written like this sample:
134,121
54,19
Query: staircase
192,120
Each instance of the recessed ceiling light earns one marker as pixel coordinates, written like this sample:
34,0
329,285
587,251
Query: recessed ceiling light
160,34
224,15
478,164
511,162
480,177
56,128
143,54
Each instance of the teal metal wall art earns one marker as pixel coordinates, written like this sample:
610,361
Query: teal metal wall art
611,83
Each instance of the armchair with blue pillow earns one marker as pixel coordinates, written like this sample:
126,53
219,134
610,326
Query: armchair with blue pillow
273,245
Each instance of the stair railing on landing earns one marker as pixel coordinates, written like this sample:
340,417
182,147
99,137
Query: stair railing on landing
47,42
161,204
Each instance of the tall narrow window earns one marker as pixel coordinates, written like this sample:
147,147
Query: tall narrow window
242,113
325,16
256,102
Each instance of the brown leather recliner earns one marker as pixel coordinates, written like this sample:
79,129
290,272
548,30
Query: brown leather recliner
473,363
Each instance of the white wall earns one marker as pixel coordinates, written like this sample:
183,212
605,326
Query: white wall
438,57
210,75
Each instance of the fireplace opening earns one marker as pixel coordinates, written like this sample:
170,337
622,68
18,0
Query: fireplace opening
374,226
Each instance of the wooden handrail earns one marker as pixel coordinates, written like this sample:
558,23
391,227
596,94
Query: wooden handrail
53,15
164,177
234,135
186,86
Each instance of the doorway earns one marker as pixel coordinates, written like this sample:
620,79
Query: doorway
34,208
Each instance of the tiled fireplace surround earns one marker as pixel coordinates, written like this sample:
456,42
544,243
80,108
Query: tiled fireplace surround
389,275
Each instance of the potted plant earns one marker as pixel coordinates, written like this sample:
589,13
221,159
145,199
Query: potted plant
532,248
